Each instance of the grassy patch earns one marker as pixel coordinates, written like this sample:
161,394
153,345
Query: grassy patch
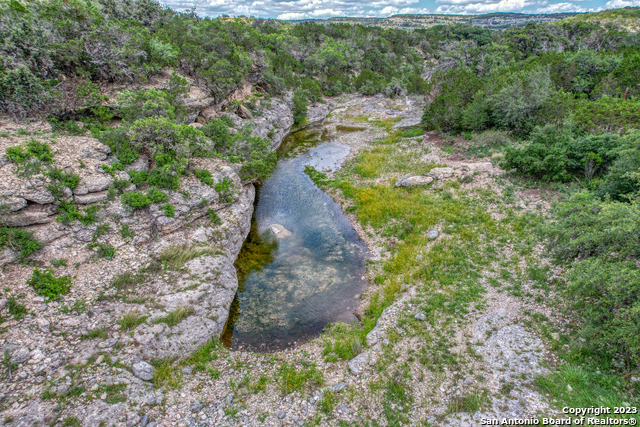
175,257
98,333
583,386
292,378
205,354
131,319
167,374
176,316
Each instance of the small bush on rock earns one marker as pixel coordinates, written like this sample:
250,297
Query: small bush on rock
47,285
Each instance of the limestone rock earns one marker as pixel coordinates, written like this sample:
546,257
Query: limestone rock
99,183
38,195
22,219
359,363
399,182
209,114
414,181
13,203
141,164
81,189
21,355
478,167
244,113
7,256
440,173
143,370
433,234
92,197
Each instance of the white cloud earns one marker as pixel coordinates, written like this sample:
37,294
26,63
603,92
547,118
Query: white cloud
486,6
613,4
561,7
299,9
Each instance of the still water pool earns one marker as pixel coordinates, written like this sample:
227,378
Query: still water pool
292,287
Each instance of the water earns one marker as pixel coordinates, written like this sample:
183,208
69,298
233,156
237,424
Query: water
292,287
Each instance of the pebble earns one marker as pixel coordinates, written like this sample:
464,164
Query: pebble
420,316
433,234
197,407
281,415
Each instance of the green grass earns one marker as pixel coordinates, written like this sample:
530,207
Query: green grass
205,354
131,319
469,402
176,316
115,393
591,385
175,257
166,374
293,377
95,334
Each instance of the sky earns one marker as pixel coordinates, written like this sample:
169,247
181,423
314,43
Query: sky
323,9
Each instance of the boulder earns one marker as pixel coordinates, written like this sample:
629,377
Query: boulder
414,181
99,183
399,182
22,219
208,114
14,203
38,195
359,363
244,113
143,370
478,167
440,173
92,198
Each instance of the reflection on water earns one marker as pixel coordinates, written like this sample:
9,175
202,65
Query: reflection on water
293,287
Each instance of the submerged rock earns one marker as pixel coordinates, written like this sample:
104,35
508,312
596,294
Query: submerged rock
279,231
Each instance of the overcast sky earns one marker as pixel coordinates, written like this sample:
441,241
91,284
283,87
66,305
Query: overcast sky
321,9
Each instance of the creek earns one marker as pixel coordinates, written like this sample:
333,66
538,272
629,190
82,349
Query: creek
292,286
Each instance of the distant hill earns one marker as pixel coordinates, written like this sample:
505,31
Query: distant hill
628,17
490,20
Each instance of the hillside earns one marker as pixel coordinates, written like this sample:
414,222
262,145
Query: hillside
628,18
490,20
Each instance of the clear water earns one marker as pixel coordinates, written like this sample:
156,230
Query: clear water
312,277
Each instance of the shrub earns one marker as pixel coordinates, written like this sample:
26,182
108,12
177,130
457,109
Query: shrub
169,211
121,145
217,129
157,196
21,241
69,212
136,199
47,285
104,251
300,104
225,189
600,242
204,176
17,310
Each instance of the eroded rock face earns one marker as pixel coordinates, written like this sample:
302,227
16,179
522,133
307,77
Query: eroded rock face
209,286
